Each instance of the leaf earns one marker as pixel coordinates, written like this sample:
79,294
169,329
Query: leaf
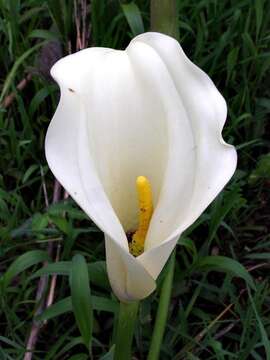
134,18
61,223
249,44
10,342
232,61
223,263
39,222
60,307
259,15
39,98
61,13
79,357
74,213
29,172
59,267
66,349
104,304
43,34
31,13
261,256
97,272
22,263
56,11
65,305
81,298
188,244
15,67
221,207
262,170
265,339
109,355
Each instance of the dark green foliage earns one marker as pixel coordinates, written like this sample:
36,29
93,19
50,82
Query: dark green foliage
213,314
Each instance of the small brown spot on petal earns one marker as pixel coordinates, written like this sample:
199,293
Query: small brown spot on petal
71,90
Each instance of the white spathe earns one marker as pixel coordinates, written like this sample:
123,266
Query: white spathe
146,111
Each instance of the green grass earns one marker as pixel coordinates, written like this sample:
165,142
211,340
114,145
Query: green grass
229,39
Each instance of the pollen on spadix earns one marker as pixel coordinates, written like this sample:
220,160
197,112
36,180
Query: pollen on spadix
143,185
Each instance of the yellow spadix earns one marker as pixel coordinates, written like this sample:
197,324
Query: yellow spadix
136,246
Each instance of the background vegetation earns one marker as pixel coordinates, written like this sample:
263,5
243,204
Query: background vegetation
212,314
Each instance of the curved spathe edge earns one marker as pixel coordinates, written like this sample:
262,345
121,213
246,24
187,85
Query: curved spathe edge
64,141
171,54
152,260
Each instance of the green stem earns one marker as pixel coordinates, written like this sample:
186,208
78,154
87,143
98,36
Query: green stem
125,329
162,312
164,17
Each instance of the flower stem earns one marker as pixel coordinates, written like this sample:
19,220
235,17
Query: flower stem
162,312
164,17
125,329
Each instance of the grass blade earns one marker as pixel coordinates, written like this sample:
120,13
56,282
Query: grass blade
223,263
81,298
134,18
22,263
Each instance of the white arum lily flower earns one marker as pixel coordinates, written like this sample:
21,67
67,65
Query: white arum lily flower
144,112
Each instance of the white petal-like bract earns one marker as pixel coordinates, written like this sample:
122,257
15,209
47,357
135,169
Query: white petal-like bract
146,111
